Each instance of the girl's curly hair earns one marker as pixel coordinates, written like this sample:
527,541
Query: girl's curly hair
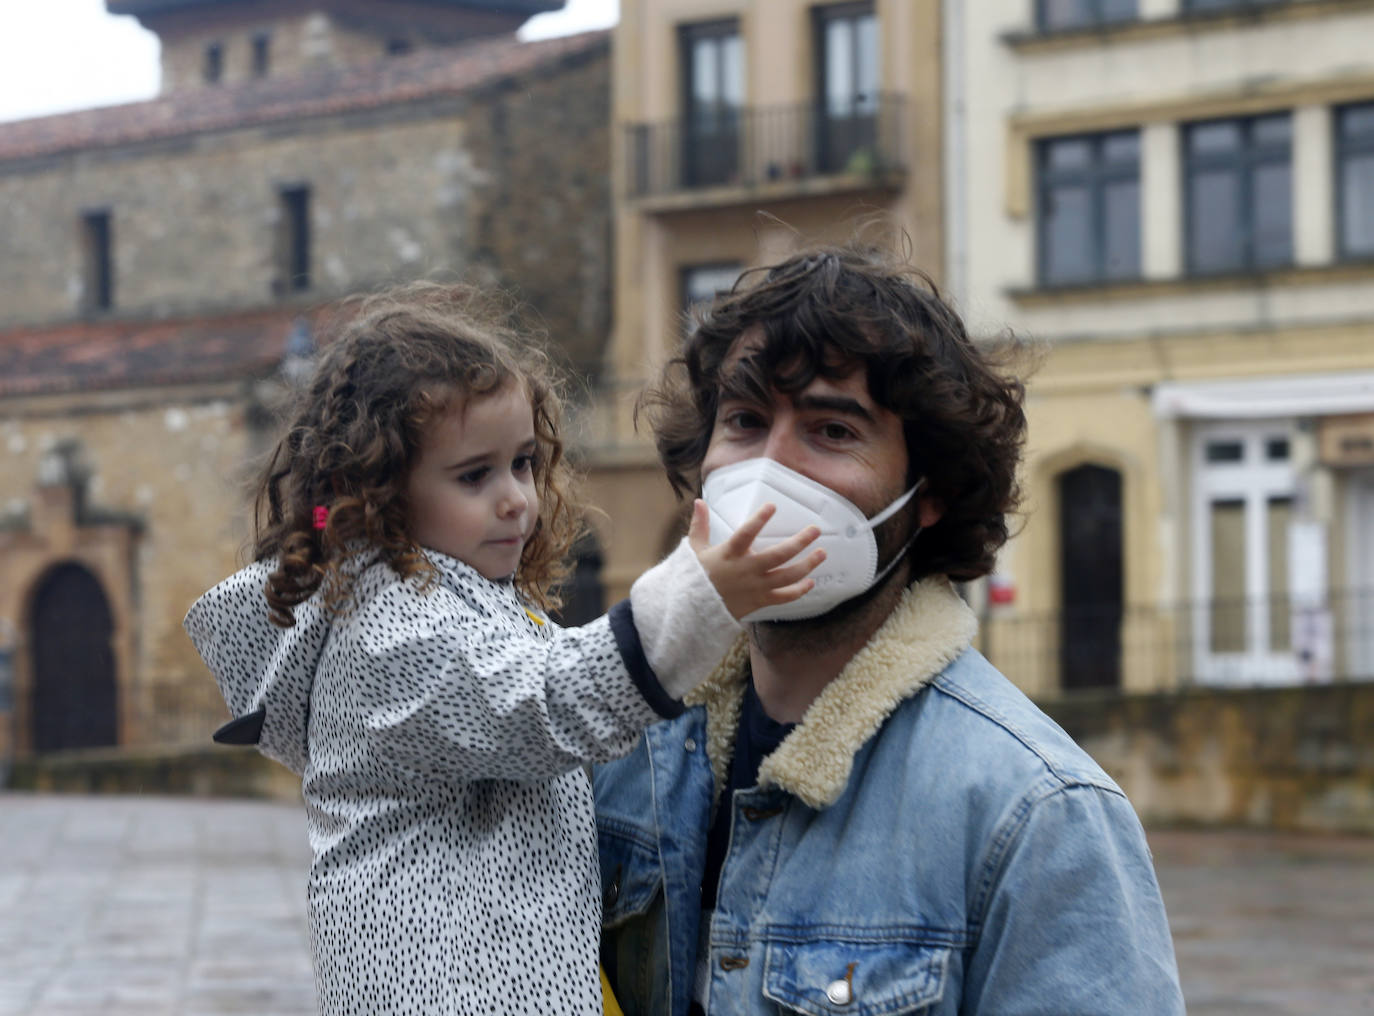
402,359
830,311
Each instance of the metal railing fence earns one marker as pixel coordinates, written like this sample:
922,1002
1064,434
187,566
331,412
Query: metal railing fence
748,146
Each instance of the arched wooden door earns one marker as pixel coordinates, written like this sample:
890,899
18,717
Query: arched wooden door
1090,577
74,690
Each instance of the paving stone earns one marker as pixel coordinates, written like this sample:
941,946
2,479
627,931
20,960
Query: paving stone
149,906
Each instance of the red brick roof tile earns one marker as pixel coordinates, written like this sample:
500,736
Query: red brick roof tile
416,76
92,355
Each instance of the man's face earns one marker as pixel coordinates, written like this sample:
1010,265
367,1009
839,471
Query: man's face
831,431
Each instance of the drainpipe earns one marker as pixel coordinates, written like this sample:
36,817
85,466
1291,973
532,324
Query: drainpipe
956,154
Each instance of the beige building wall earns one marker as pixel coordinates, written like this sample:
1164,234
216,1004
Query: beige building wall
1129,366
751,220
165,505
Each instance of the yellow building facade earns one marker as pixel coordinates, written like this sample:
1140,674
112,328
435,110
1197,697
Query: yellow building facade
1174,201
741,129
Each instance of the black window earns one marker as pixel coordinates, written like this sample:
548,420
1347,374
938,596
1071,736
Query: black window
847,90
1222,5
96,240
1051,15
713,94
398,47
1355,180
703,283
262,54
293,239
214,62
1239,202
1088,216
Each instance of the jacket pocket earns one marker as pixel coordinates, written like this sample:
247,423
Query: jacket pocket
631,876
855,979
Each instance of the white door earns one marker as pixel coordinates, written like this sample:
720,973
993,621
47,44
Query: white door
1242,511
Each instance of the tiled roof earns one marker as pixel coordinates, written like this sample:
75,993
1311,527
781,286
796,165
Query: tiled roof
93,355
159,6
416,76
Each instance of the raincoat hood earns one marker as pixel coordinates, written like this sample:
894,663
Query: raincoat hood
265,673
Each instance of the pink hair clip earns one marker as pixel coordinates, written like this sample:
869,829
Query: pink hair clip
321,516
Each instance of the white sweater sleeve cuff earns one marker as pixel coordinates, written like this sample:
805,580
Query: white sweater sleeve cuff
681,620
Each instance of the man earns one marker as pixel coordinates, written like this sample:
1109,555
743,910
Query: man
857,813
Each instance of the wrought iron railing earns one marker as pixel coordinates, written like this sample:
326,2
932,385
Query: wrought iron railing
1223,643
750,146
1272,641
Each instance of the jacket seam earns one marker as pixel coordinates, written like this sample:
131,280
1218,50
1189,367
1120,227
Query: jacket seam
917,934
985,710
1009,833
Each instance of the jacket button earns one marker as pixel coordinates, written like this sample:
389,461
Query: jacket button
690,744
839,993
613,890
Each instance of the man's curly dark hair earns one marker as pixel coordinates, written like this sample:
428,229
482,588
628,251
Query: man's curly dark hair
827,312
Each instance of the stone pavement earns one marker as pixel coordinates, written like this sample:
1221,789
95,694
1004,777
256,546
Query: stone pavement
154,906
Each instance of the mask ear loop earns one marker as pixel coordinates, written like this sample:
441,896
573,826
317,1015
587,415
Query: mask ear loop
886,514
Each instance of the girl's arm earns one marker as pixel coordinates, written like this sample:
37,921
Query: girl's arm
456,694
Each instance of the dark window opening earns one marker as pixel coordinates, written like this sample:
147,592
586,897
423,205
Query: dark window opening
848,65
1088,215
1355,180
1225,5
262,54
1238,204
294,239
398,47
713,97
214,63
1054,15
703,283
96,239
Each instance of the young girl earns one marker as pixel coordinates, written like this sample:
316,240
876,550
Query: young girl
390,646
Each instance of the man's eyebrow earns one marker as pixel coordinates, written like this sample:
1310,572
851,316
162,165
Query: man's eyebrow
834,404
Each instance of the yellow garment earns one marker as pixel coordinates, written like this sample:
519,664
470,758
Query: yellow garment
611,1006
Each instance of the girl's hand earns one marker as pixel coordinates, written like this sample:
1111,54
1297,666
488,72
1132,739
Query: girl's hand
751,580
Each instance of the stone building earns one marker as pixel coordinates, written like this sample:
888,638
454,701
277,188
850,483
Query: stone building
163,263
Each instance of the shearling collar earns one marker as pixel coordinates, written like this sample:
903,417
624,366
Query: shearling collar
928,629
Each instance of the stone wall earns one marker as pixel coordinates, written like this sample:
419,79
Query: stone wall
514,180
302,37
195,222
541,218
1271,758
165,515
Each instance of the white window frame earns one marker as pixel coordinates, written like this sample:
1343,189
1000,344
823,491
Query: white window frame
1359,509
1253,480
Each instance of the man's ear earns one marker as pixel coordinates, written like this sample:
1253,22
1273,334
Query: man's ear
929,510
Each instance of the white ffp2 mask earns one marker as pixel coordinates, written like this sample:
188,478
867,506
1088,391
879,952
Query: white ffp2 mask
735,492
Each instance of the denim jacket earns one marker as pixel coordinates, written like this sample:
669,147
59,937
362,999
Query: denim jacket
925,841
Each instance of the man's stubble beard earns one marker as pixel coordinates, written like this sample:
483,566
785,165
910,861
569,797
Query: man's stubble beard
867,611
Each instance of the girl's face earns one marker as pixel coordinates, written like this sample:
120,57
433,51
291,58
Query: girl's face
471,491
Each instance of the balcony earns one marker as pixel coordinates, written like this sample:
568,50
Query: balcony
725,154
